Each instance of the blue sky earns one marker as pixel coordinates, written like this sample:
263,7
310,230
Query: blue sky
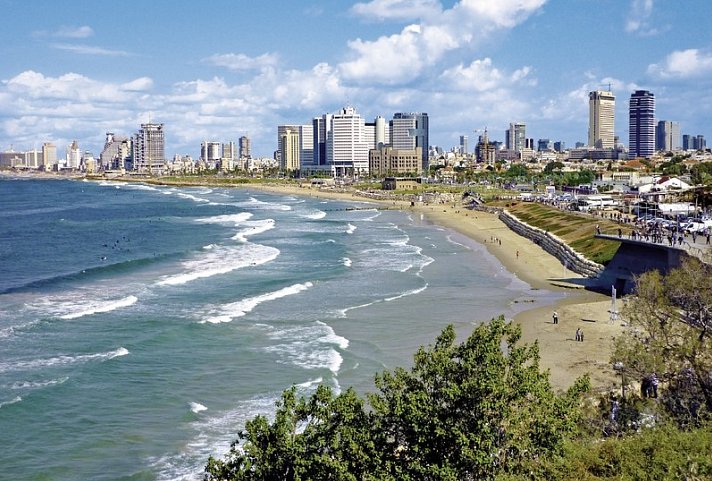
219,69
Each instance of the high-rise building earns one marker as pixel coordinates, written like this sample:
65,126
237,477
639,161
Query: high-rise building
306,144
245,152
463,145
346,146
667,136
289,148
321,127
601,119
49,155
149,149
116,153
516,137
641,129
410,130
210,153
74,156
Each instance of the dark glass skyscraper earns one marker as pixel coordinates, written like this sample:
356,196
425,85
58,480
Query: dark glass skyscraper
642,124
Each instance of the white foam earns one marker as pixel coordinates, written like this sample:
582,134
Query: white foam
450,240
16,399
346,261
37,384
97,307
233,219
61,360
258,204
228,312
221,260
407,293
253,228
350,229
197,407
310,384
309,347
191,197
319,214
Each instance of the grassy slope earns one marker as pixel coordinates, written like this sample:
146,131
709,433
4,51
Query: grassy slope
577,230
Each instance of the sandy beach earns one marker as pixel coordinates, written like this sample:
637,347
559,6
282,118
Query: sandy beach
565,358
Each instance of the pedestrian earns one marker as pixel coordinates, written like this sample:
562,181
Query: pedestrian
654,385
707,235
578,334
620,232
581,336
598,229
555,316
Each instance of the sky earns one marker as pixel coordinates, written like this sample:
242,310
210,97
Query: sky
219,69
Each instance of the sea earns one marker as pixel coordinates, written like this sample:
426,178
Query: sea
142,326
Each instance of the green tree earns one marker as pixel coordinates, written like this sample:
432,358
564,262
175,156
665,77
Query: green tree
670,333
473,410
553,166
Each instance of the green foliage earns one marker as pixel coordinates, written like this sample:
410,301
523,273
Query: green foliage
670,333
553,166
466,411
517,170
701,174
664,453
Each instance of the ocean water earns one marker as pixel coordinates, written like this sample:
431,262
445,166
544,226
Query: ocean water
141,326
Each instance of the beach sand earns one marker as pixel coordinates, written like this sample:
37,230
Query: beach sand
564,357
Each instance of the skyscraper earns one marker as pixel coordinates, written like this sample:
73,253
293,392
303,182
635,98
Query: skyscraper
667,136
149,148
516,136
245,147
289,148
641,124
601,119
463,144
410,130
346,145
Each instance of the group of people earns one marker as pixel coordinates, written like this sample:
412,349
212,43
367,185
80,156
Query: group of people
579,332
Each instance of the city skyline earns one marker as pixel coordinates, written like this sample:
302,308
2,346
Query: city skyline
220,71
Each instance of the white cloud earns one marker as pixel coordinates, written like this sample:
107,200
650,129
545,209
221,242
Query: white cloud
89,50
639,19
683,64
397,9
74,32
402,57
482,76
239,61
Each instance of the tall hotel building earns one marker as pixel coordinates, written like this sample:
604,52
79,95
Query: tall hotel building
516,137
601,119
410,130
642,124
149,148
346,144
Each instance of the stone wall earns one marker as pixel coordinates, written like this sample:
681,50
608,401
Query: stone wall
549,242
552,244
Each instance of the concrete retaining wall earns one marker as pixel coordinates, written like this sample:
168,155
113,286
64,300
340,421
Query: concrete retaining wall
552,244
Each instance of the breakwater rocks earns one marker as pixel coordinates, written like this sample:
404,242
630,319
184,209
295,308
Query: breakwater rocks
552,244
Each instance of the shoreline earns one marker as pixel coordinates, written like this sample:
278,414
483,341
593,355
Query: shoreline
565,358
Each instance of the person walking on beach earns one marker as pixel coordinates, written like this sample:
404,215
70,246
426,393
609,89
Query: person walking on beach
555,317
578,334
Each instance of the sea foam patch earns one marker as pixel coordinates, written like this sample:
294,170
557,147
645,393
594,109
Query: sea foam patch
88,308
221,260
63,360
310,347
228,312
